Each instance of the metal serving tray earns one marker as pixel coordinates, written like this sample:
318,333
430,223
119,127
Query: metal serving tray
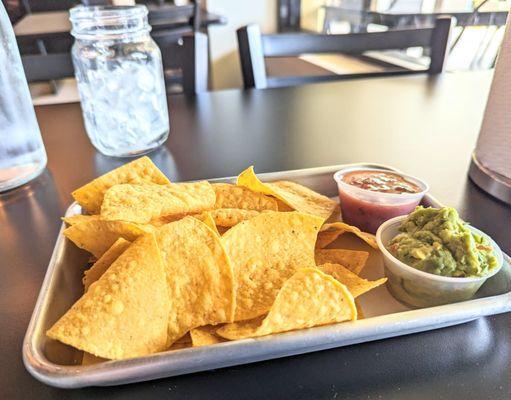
59,365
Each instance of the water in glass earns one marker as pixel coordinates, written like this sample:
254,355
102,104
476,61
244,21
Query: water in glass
119,72
22,154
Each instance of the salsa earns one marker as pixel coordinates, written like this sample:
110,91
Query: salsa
380,181
367,215
371,197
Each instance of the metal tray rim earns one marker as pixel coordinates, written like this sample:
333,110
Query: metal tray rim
269,347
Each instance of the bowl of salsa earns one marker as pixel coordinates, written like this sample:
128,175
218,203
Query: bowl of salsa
371,196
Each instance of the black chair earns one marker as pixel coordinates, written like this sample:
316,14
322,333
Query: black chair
177,31
47,58
289,15
185,60
254,47
48,5
188,54
184,53
162,16
47,67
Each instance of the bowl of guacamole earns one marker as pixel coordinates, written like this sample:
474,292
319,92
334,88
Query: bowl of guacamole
433,257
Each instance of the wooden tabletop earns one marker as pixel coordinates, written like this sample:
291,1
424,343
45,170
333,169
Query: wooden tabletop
319,64
43,23
424,126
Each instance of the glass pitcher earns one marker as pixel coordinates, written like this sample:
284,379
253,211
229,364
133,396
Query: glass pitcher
119,72
22,154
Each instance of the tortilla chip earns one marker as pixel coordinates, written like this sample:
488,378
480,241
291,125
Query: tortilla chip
352,259
89,359
326,237
164,220
233,196
338,228
336,214
143,203
229,217
97,236
265,251
204,216
94,273
222,230
141,170
294,195
360,312
283,207
185,339
222,219
355,284
179,346
205,336
304,199
125,314
159,222
199,276
309,298
208,220
183,342
78,218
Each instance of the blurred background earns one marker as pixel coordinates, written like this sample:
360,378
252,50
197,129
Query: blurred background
41,27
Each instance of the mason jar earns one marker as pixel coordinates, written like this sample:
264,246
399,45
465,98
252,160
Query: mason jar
119,72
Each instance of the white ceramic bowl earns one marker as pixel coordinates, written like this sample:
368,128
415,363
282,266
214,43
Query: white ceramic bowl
422,289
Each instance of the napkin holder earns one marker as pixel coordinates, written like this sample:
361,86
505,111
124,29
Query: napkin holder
491,182
490,168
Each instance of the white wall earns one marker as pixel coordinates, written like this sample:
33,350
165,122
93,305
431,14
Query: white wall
312,15
225,67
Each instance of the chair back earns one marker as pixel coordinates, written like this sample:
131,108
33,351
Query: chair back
188,15
254,48
189,54
48,5
47,67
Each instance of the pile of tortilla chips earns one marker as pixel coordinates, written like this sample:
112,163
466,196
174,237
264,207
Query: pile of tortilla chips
195,264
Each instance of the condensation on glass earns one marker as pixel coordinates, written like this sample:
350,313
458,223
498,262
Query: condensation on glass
119,72
22,154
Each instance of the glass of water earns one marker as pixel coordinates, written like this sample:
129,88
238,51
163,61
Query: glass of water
22,154
119,72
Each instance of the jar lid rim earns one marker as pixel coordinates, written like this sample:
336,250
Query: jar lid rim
108,22
105,13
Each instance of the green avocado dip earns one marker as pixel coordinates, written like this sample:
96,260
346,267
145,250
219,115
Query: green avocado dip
437,241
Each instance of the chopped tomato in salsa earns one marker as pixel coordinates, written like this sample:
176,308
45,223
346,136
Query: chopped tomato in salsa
380,181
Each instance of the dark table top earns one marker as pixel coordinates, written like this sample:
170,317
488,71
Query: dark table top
425,126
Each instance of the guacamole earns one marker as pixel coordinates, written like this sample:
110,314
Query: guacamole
439,242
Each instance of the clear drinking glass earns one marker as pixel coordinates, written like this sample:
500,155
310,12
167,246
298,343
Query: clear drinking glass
119,72
22,154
